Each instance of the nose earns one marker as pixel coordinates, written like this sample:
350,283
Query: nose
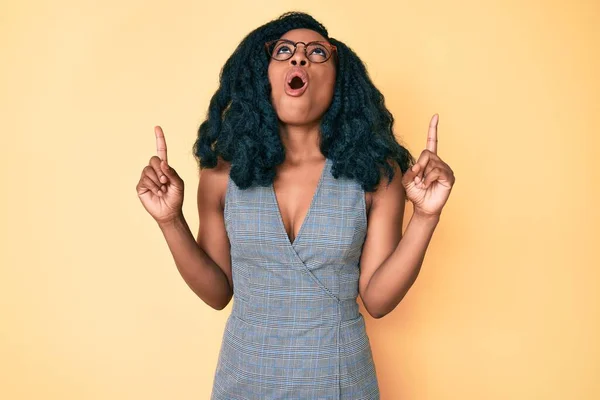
299,56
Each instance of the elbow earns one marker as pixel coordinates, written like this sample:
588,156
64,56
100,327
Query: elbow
220,304
219,307
377,315
378,311
375,312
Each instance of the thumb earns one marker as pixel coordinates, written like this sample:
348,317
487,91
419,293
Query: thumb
169,172
410,173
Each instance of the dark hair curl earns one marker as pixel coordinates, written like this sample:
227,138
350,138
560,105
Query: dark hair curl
241,125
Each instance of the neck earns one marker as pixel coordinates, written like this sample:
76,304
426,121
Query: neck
301,142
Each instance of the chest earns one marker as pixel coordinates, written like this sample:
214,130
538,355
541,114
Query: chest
295,190
294,199
316,216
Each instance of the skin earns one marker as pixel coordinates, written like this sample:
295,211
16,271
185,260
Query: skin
299,119
390,261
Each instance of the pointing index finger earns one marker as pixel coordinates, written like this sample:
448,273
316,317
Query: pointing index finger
432,137
161,144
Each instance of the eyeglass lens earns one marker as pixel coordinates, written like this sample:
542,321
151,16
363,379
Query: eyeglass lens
283,50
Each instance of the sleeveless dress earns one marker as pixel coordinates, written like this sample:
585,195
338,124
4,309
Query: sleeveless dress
295,330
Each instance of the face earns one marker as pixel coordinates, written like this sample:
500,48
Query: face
306,105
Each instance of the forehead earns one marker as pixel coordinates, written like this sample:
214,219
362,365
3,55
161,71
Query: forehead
303,35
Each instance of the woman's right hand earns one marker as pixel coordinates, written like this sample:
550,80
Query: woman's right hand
160,188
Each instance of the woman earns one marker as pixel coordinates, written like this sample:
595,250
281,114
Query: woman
293,218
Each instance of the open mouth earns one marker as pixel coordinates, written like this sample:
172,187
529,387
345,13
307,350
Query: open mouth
296,83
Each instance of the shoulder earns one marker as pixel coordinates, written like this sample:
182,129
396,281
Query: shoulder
387,193
213,182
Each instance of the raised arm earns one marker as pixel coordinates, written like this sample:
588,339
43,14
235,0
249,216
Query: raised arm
391,261
203,262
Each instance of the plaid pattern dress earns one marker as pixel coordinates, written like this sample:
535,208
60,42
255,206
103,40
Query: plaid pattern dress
295,330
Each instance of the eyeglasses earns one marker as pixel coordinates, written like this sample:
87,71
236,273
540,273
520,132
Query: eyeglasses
316,52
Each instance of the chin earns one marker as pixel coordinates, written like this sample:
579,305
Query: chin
294,115
297,120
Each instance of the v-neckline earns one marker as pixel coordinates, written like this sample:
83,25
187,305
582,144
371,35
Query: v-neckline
308,212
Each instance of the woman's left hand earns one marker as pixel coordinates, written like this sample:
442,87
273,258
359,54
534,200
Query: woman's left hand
429,182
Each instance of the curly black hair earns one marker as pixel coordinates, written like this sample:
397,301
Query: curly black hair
241,125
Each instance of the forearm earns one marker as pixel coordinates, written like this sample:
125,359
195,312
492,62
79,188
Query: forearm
198,270
392,280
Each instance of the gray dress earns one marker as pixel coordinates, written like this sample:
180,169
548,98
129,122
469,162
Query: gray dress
295,330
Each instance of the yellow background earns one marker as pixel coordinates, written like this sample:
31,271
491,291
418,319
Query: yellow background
507,303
